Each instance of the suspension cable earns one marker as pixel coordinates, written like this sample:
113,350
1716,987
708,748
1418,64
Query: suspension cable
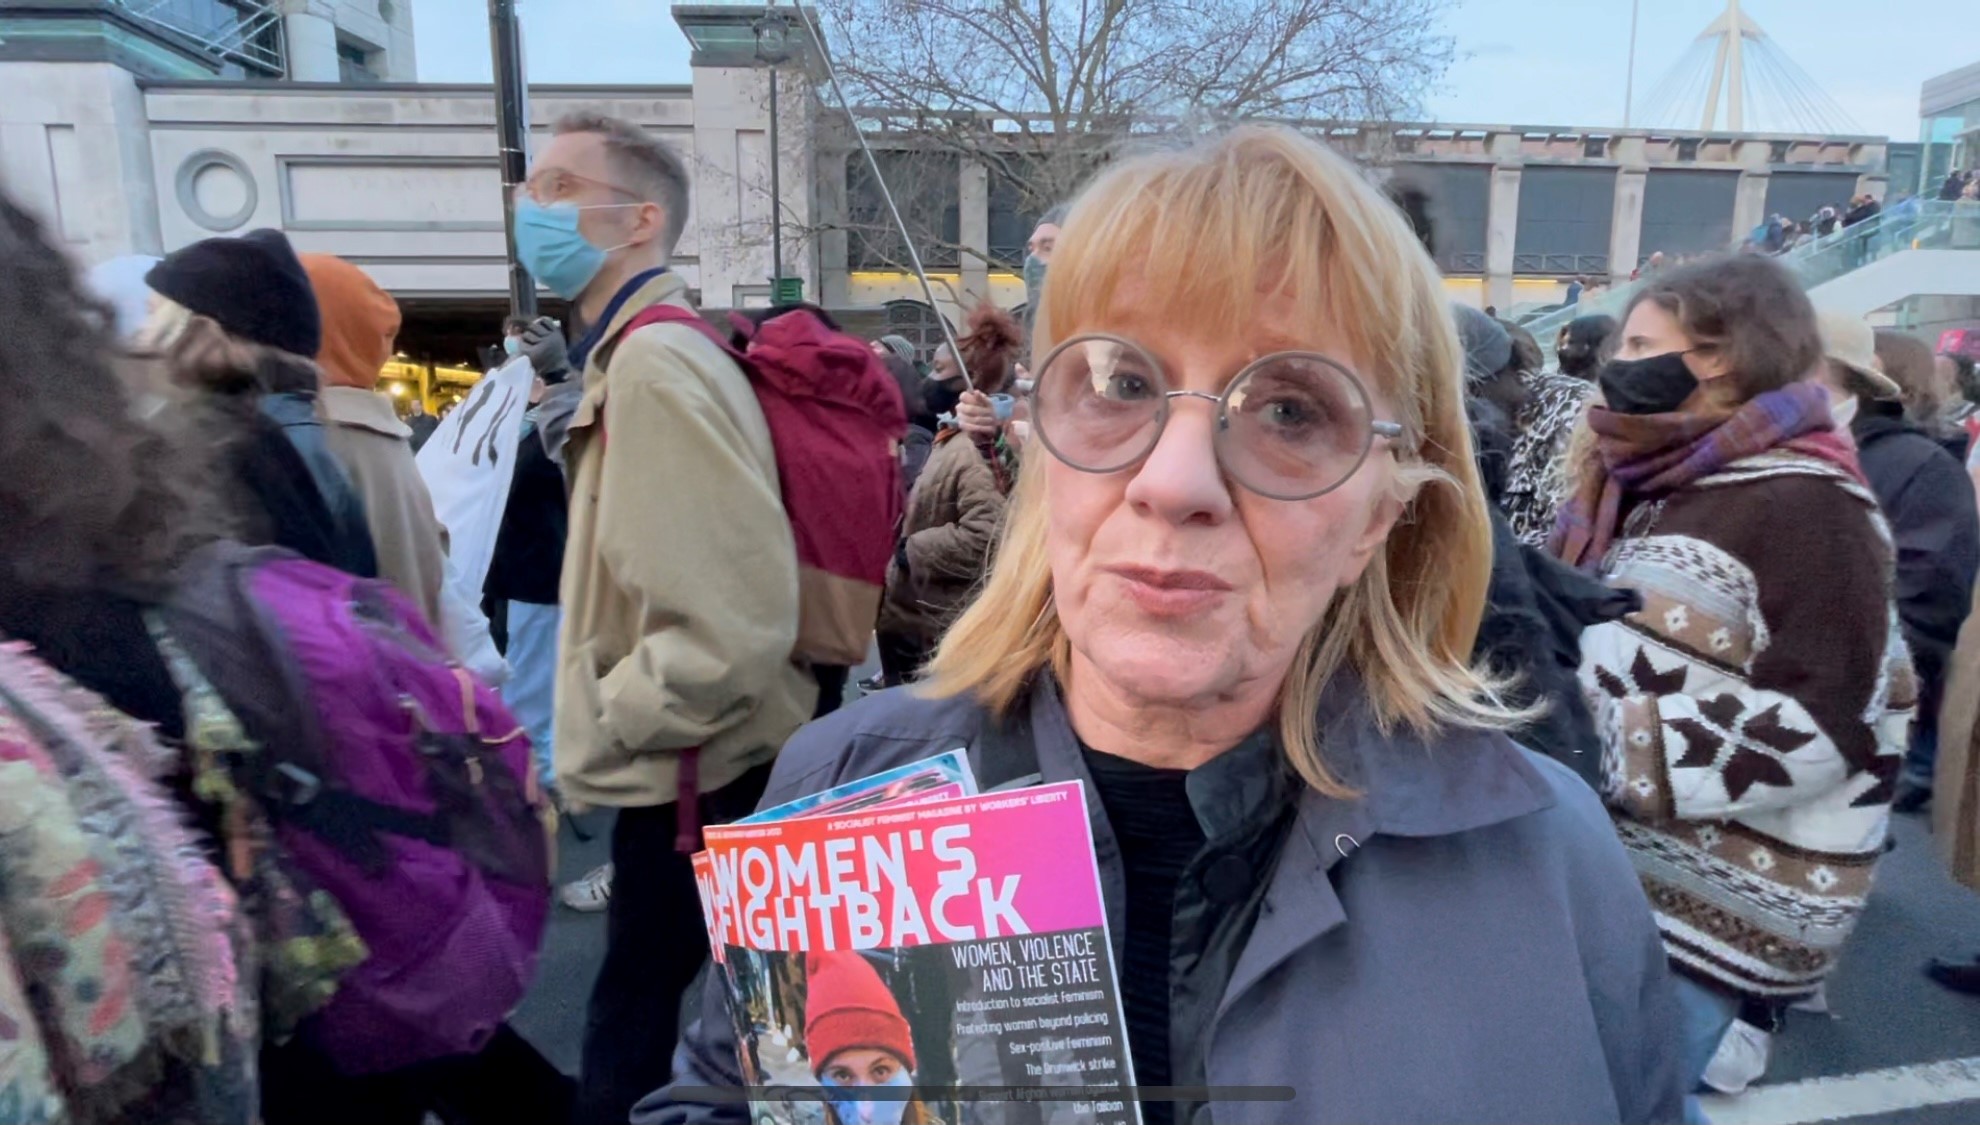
873,166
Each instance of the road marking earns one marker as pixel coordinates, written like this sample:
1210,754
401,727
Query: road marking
1851,1095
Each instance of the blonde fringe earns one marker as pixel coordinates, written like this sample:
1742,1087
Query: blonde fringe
1407,626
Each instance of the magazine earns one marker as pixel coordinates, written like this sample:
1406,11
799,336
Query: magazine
921,964
945,775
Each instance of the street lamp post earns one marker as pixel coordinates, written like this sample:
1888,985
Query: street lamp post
773,48
1629,78
512,139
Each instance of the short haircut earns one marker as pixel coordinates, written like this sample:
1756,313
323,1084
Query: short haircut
1747,309
644,164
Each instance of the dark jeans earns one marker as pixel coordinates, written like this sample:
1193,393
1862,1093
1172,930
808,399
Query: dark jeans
901,657
655,943
508,1081
831,687
1921,759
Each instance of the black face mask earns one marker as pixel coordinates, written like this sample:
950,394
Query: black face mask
1657,385
940,399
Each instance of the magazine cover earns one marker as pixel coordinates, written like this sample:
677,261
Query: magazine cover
945,775
922,964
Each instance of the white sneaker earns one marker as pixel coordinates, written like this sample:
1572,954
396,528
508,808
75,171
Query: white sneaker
590,894
1740,1060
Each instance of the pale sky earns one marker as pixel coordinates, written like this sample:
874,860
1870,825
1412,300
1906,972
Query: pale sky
1521,62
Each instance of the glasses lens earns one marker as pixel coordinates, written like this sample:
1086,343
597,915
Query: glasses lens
1097,404
547,185
1299,426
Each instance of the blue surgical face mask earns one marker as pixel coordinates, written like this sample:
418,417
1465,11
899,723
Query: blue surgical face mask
1034,279
554,251
512,345
855,1110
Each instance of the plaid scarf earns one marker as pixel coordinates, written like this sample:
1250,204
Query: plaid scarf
1645,456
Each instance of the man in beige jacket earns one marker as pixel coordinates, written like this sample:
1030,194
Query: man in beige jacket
680,588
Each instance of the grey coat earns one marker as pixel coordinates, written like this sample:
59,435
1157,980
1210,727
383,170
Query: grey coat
1466,942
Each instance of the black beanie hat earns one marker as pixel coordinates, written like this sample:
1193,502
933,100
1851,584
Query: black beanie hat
253,286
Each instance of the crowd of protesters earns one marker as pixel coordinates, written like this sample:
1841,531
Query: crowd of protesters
1624,659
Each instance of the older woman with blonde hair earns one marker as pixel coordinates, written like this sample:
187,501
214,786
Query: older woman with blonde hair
1235,597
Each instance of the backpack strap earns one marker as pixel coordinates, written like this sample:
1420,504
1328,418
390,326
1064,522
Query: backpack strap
664,313
687,803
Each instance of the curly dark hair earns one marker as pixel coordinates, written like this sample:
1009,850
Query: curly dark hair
991,347
98,490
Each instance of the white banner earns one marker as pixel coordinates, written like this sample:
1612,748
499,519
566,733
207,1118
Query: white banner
467,465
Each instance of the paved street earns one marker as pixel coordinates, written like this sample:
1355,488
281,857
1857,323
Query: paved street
1884,1013
1870,1061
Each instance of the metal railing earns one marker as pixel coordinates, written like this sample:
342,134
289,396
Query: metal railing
1560,264
253,40
1918,225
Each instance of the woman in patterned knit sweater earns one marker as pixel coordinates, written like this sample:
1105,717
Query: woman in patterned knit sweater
1754,712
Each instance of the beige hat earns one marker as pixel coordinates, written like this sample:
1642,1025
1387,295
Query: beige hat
1848,340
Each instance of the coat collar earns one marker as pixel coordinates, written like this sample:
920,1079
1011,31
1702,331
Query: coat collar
1410,787
364,410
1455,782
639,292
657,288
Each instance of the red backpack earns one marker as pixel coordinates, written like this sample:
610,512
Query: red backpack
836,422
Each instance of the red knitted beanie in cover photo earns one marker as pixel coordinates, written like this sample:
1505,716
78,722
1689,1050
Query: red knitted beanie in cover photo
847,1005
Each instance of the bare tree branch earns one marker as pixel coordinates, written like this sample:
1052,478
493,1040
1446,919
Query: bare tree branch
1041,93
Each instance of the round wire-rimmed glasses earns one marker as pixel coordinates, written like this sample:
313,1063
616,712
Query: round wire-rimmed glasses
1290,426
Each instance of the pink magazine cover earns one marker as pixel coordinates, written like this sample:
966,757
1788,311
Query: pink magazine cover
952,954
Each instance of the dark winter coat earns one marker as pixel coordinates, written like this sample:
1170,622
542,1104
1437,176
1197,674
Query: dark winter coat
529,550
915,448
1536,609
291,404
1863,212
422,427
1464,941
280,503
1929,501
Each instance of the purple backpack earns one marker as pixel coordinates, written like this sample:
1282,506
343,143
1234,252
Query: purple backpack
396,782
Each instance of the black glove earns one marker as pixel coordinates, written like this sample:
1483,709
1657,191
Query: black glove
543,343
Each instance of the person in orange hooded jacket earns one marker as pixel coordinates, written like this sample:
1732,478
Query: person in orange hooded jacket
360,325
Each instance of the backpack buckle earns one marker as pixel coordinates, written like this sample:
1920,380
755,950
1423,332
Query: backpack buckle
296,786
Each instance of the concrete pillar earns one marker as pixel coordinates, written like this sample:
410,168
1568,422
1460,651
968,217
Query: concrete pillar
1750,197
731,208
75,149
974,200
1626,221
1874,183
1501,231
312,47
834,278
